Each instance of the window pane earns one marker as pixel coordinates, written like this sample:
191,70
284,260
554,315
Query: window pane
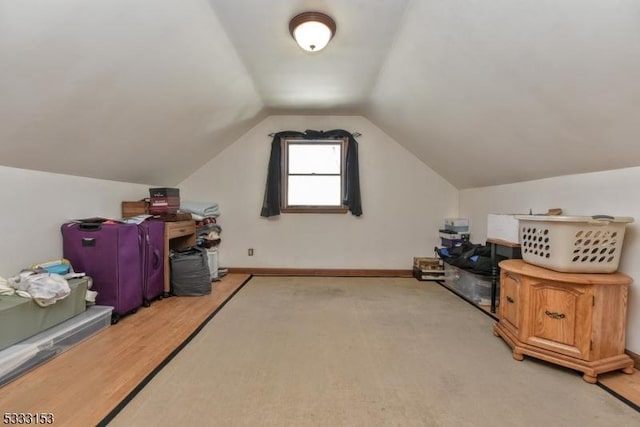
314,158
314,191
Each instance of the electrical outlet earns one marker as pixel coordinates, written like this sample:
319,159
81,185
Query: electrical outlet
250,252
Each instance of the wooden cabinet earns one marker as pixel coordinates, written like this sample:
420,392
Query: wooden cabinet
510,301
574,320
177,235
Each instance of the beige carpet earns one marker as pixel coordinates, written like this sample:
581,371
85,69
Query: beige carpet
288,351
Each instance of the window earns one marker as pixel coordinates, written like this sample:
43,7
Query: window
313,175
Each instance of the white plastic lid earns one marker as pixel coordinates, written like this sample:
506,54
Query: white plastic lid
595,219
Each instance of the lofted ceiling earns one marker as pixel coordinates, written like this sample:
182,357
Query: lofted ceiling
483,92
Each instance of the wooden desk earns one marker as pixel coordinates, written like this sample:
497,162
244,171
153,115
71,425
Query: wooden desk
510,250
177,235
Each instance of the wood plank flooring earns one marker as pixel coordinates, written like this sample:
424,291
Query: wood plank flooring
86,383
625,386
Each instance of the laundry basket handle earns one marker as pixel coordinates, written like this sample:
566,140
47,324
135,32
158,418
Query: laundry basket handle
601,219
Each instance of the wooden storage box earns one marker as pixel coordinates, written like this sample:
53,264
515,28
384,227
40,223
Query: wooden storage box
130,209
426,268
426,263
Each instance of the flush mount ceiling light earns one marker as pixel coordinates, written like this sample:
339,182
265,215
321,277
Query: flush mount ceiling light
312,30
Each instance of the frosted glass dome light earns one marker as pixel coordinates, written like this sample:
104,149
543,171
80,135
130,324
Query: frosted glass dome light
312,30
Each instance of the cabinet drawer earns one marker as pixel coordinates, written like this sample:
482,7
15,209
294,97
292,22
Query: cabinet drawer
179,228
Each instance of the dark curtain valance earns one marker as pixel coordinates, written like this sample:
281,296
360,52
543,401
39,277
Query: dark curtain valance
272,193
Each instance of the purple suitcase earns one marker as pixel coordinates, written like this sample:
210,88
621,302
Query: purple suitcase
111,255
152,261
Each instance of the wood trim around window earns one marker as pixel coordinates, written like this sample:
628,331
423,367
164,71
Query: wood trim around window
342,209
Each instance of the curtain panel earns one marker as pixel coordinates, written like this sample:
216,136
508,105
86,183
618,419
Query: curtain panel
273,188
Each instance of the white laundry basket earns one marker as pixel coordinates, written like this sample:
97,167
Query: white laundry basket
575,244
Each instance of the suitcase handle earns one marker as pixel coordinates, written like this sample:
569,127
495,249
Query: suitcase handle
156,258
90,226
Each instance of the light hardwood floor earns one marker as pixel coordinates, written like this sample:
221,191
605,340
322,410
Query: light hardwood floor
626,386
86,383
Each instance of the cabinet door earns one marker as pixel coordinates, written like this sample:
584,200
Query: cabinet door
510,301
560,318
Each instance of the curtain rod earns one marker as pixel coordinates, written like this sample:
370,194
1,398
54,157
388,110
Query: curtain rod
355,134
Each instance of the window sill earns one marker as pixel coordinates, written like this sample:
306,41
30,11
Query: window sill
322,210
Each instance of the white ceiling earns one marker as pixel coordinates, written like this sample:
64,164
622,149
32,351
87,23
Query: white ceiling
484,92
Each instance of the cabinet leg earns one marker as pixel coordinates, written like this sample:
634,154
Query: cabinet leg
518,356
629,370
591,379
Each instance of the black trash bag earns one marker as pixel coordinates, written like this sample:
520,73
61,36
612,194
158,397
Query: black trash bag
190,274
470,257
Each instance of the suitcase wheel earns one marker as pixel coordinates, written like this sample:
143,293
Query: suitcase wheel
114,318
146,303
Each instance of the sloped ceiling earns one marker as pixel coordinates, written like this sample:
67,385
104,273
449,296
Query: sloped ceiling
484,92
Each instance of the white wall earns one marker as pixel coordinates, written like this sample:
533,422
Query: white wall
404,203
611,193
35,204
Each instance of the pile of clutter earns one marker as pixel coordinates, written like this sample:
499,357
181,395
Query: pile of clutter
45,283
207,231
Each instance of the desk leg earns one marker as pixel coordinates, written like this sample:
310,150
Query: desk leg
167,276
494,277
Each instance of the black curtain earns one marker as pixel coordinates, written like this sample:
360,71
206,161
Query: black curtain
272,193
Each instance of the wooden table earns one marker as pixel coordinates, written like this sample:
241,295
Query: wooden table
504,248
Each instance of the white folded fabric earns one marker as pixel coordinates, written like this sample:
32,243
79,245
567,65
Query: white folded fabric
200,208
5,289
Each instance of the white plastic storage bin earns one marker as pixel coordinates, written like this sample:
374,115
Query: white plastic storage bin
27,354
573,244
459,225
475,287
213,263
503,227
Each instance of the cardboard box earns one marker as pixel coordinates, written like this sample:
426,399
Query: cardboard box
428,263
432,275
503,227
163,205
130,209
164,192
